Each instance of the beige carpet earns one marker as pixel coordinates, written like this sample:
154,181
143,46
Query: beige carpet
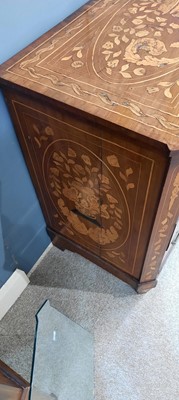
136,337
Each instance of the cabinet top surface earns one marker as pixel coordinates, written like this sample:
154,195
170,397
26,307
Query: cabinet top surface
115,59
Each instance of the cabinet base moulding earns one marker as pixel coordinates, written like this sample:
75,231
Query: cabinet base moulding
66,244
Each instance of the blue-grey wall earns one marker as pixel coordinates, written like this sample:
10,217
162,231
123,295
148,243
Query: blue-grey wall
22,228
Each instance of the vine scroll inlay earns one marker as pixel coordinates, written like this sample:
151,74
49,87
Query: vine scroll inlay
165,225
111,57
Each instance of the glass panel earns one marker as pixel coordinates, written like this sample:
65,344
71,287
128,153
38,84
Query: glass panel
63,358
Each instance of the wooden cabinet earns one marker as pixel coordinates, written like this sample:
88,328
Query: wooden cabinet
95,106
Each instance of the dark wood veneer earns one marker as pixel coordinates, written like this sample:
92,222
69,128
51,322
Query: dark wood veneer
95,105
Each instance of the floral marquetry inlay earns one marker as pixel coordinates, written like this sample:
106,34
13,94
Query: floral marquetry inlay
117,55
42,135
95,104
83,189
165,226
136,50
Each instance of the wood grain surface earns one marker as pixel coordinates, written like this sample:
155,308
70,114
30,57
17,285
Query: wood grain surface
115,59
95,105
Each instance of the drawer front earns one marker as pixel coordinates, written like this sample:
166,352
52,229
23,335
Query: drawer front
95,187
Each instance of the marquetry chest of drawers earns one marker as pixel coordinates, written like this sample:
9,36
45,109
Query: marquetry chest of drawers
95,104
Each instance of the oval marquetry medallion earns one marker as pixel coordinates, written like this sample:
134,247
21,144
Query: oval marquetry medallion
86,194
132,46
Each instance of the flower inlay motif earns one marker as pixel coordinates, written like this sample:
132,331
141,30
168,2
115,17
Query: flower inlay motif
114,53
137,41
83,189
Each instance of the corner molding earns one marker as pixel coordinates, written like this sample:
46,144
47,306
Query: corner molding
11,290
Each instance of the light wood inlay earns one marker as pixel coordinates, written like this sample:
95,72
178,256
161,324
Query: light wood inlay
116,56
95,104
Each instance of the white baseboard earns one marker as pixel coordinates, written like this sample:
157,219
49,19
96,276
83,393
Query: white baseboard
15,285
11,290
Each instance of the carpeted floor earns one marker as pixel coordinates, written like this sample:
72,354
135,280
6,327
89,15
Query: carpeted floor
136,337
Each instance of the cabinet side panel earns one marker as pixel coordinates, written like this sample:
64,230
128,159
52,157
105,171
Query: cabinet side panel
167,215
97,185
